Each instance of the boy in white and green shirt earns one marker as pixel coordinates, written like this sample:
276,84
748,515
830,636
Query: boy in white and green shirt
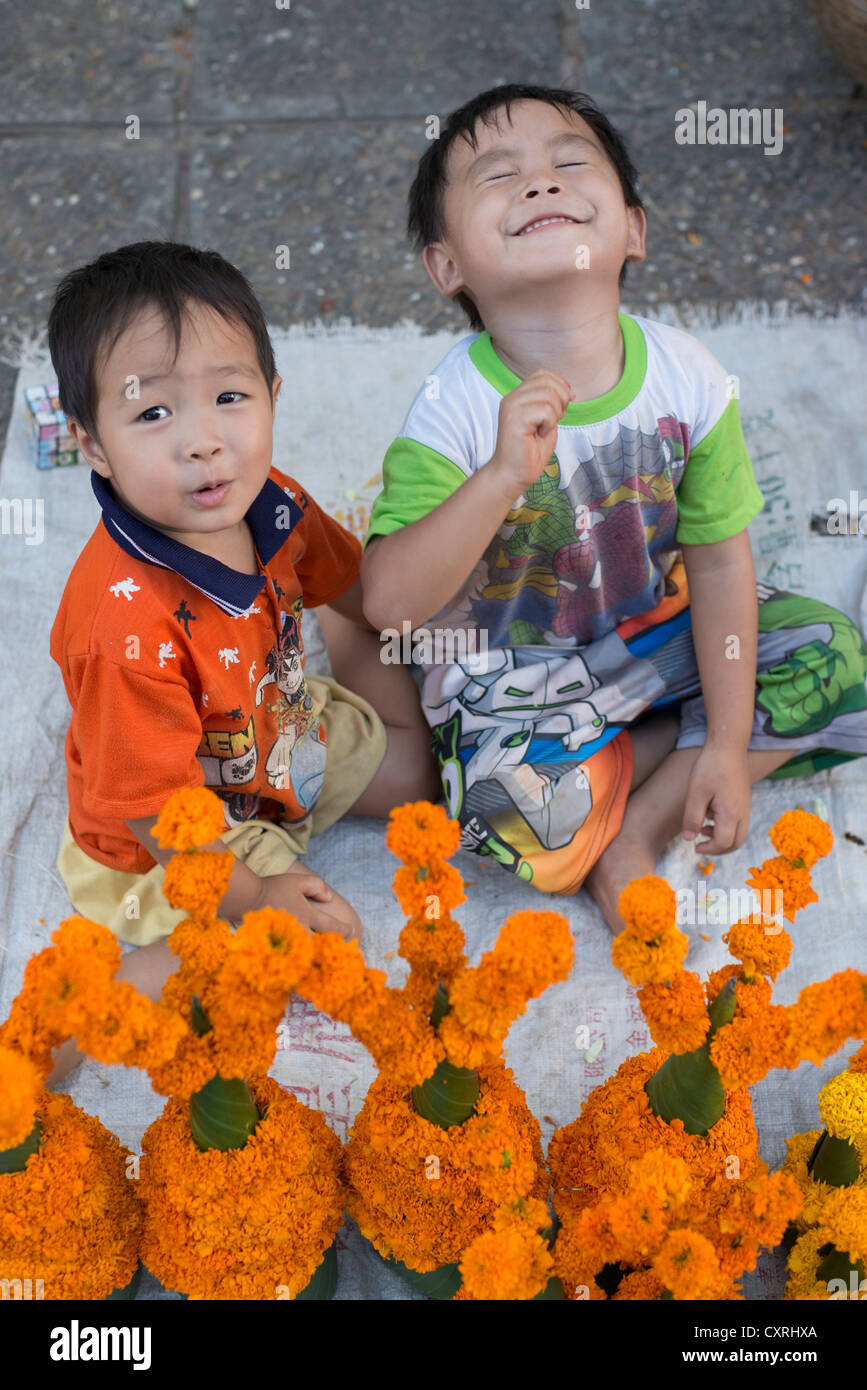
572,482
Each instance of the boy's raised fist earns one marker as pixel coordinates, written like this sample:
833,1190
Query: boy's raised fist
527,428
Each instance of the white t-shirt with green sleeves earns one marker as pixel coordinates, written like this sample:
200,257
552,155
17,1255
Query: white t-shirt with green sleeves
659,460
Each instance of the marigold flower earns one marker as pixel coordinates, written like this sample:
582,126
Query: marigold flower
248,1222
676,1013
687,1265
825,1015
793,883
421,833
843,1221
191,817
420,890
197,882
20,1084
70,1217
843,1104
858,1060
434,948
649,962
801,835
761,946
648,906
509,1262
744,1050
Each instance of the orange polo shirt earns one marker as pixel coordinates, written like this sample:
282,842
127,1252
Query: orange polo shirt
183,672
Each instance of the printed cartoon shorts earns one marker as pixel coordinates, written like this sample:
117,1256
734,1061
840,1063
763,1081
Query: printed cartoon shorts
356,742
534,746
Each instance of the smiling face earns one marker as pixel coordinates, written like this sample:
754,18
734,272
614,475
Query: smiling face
206,419
519,205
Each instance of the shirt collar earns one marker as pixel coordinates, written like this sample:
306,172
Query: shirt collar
272,517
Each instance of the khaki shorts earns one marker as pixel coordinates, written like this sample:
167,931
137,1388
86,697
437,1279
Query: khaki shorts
132,905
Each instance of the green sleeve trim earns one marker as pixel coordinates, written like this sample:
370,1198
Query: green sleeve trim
718,496
504,380
415,479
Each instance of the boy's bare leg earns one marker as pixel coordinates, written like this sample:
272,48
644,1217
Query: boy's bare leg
654,815
408,772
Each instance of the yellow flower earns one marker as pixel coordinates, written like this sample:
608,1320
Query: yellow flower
843,1105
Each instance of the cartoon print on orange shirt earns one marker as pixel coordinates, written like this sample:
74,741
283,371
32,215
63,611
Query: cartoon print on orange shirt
293,707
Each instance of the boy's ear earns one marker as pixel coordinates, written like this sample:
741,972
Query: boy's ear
89,448
444,272
637,230
275,387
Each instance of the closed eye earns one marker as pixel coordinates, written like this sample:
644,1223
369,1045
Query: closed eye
573,164
151,408
506,174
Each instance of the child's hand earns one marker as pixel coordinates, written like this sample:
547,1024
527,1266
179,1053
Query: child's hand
301,892
527,428
719,787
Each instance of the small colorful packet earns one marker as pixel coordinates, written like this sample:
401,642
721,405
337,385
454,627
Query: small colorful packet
55,447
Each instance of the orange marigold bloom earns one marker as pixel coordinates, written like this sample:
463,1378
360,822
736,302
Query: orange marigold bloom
801,835
858,1060
407,1208
421,890
196,882
687,1265
435,947
760,1209
532,950
648,906
650,962
512,1262
191,817
337,973
761,946
792,882
70,1217
676,1013
718,979
20,1084
247,1223
744,1050
421,833
825,1015
640,1285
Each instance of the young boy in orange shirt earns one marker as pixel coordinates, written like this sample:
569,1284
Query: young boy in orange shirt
179,634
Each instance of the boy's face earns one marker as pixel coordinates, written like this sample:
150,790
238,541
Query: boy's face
197,425
543,163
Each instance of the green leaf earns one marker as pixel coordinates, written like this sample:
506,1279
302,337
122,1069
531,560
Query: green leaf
441,1005
14,1160
199,1019
448,1097
837,1265
834,1161
722,1010
323,1281
129,1290
552,1290
442,1283
687,1087
223,1114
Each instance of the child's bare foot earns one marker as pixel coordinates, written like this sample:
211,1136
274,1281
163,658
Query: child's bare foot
622,861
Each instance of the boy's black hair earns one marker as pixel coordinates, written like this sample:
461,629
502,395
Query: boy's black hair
95,303
426,221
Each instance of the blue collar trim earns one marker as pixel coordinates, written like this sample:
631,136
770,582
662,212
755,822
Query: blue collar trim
230,590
